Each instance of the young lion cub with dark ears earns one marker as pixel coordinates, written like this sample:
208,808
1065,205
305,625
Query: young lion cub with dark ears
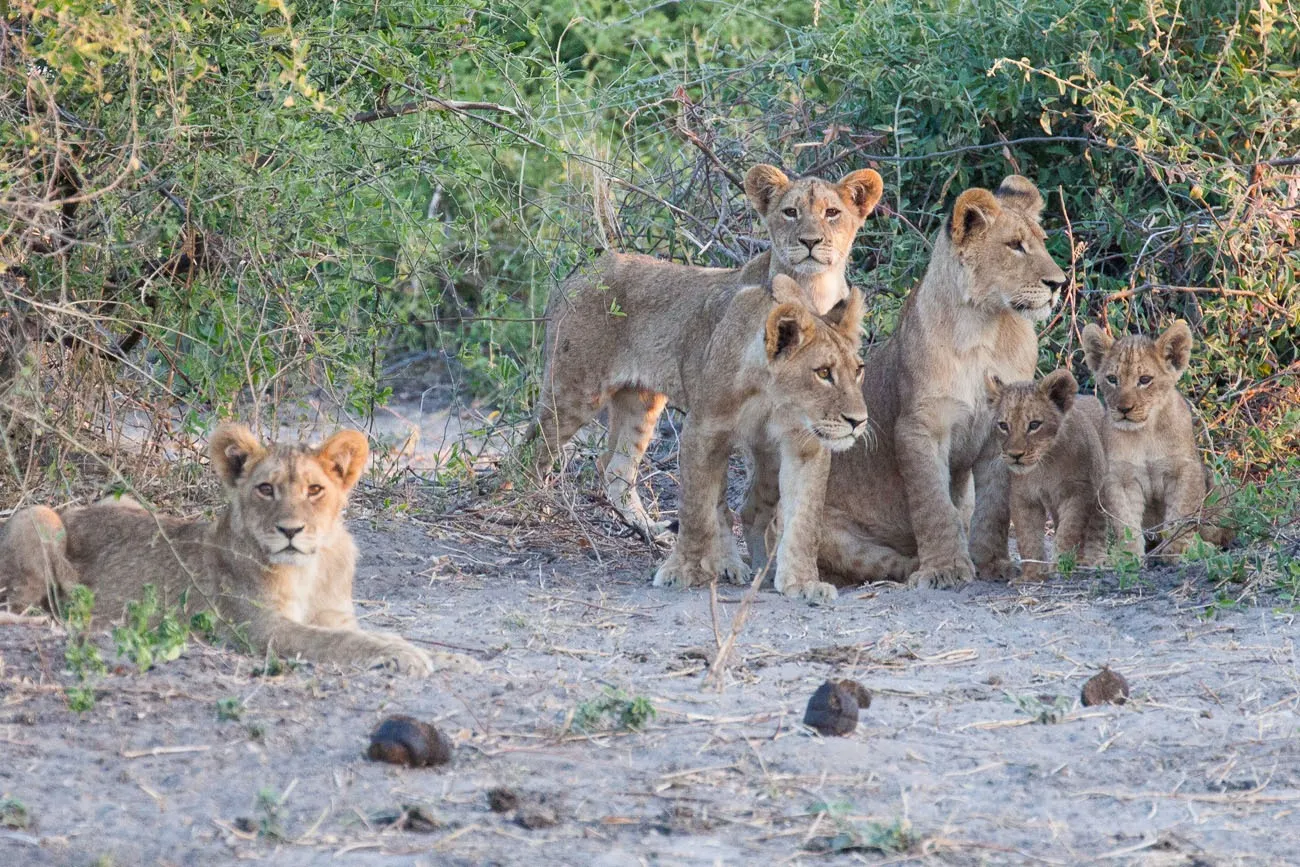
1051,443
1156,481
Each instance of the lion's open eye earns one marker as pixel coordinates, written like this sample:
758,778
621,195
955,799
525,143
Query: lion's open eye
1016,246
1112,379
824,374
832,212
314,490
266,490
1002,426
791,212
1035,425
1144,380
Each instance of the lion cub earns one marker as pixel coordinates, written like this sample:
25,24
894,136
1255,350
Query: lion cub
1156,481
276,565
1051,443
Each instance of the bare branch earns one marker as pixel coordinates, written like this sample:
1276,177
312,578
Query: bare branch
433,103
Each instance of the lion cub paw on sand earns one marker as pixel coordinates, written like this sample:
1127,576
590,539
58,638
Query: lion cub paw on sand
276,565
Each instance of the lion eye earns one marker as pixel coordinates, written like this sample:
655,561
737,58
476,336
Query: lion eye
832,212
1035,425
314,490
1016,246
1002,426
862,369
791,212
1111,379
266,490
1144,380
824,374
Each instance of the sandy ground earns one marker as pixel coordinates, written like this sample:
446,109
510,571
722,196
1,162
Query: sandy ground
949,765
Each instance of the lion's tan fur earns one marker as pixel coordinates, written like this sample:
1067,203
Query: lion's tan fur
618,327
744,364
1156,481
893,508
276,565
1051,442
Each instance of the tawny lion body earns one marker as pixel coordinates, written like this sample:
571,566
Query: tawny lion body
1051,443
612,327
894,509
1156,482
276,566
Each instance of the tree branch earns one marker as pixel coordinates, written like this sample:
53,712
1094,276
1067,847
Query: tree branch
433,103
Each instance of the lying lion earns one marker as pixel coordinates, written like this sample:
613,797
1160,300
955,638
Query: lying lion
629,307
894,509
276,566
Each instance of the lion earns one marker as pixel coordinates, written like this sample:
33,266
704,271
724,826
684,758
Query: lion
894,509
1156,482
276,565
632,307
748,366
1051,442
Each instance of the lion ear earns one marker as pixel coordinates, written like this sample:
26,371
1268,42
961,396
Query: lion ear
1096,343
863,189
789,326
234,450
1175,346
763,185
846,315
344,455
1017,191
1059,387
993,386
785,290
972,214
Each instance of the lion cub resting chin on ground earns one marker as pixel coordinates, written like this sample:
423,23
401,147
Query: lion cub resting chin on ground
276,566
1051,443
1156,481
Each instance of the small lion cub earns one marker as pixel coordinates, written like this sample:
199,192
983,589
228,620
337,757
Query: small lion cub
1155,480
1051,443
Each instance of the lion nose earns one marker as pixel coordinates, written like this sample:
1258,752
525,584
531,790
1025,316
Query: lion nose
1055,285
854,421
810,243
1015,456
1125,410
289,532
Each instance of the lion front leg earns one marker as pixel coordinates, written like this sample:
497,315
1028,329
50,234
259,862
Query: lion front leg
803,474
1183,502
936,522
1030,519
699,556
760,504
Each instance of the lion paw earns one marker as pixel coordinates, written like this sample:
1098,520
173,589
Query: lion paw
677,572
407,658
943,575
998,569
1031,572
734,569
804,584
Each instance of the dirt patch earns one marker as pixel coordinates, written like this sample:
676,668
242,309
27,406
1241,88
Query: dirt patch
975,749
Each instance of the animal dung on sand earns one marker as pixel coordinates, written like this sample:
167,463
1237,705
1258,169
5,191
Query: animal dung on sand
833,708
404,740
1105,687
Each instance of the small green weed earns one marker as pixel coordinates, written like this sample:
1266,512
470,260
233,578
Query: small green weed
894,838
230,708
1066,563
13,814
143,644
616,710
1043,709
81,654
270,823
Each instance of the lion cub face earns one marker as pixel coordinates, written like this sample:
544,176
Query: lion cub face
1000,245
1029,416
815,367
287,498
1136,374
812,222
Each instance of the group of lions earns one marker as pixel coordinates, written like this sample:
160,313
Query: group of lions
959,441
908,467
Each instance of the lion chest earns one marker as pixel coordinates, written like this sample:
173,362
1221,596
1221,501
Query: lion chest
292,591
